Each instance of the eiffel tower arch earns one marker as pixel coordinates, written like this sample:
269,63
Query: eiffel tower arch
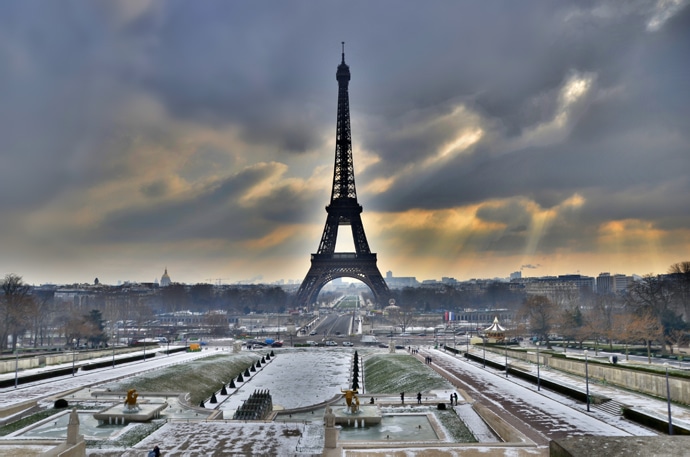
326,264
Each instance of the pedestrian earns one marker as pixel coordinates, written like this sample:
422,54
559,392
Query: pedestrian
451,399
402,397
419,398
455,394
155,452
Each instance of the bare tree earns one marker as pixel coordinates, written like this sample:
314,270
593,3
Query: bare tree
43,313
218,323
402,316
541,315
638,328
653,296
680,278
15,307
570,323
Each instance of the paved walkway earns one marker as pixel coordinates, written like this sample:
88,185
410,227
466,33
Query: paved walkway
545,415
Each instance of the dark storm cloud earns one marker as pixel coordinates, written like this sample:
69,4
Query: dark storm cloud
512,213
214,212
224,62
117,116
638,94
50,115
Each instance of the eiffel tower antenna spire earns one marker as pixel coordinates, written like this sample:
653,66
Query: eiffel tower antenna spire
343,209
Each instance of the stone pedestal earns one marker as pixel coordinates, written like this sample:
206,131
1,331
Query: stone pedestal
331,438
331,435
116,415
391,347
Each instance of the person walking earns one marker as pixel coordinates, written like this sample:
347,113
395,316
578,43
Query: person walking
419,398
402,397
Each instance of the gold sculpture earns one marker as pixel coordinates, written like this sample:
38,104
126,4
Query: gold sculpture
351,395
131,400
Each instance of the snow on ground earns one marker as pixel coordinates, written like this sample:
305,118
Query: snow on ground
625,397
220,438
553,415
55,386
296,378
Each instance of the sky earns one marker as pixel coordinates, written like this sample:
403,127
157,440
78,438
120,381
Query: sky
488,137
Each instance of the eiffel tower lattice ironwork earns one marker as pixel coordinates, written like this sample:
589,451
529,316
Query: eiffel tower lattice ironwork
344,209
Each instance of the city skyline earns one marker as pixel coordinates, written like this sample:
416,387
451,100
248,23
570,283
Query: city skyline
545,137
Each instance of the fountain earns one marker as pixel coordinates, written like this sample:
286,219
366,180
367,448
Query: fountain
131,405
355,413
407,427
133,411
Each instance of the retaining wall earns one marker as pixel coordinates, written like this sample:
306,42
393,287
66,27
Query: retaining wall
626,376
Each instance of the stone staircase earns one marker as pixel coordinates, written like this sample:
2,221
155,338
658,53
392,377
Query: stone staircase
611,407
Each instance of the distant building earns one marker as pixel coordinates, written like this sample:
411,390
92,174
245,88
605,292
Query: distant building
165,279
621,283
515,275
400,282
606,284
559,289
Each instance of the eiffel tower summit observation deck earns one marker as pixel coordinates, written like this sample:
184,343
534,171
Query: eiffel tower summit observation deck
343,209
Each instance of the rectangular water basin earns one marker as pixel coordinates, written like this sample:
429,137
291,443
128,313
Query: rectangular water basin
405,427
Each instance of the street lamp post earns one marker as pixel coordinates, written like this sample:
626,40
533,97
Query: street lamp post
484,347
668,402
467,343
113,343
538,378
587,379
74,353
168,340
505,345
16,367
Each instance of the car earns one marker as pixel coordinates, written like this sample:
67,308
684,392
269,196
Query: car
331,343
348,343
313,332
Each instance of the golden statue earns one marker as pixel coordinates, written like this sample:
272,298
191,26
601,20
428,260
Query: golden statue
351,395
131,400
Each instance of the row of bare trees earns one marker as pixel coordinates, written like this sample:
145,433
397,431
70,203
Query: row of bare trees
35,314
655,309
34,317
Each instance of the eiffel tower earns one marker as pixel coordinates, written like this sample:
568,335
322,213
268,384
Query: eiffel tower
344,209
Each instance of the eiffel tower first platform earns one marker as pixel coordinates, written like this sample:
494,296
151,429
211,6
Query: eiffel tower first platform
344,209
